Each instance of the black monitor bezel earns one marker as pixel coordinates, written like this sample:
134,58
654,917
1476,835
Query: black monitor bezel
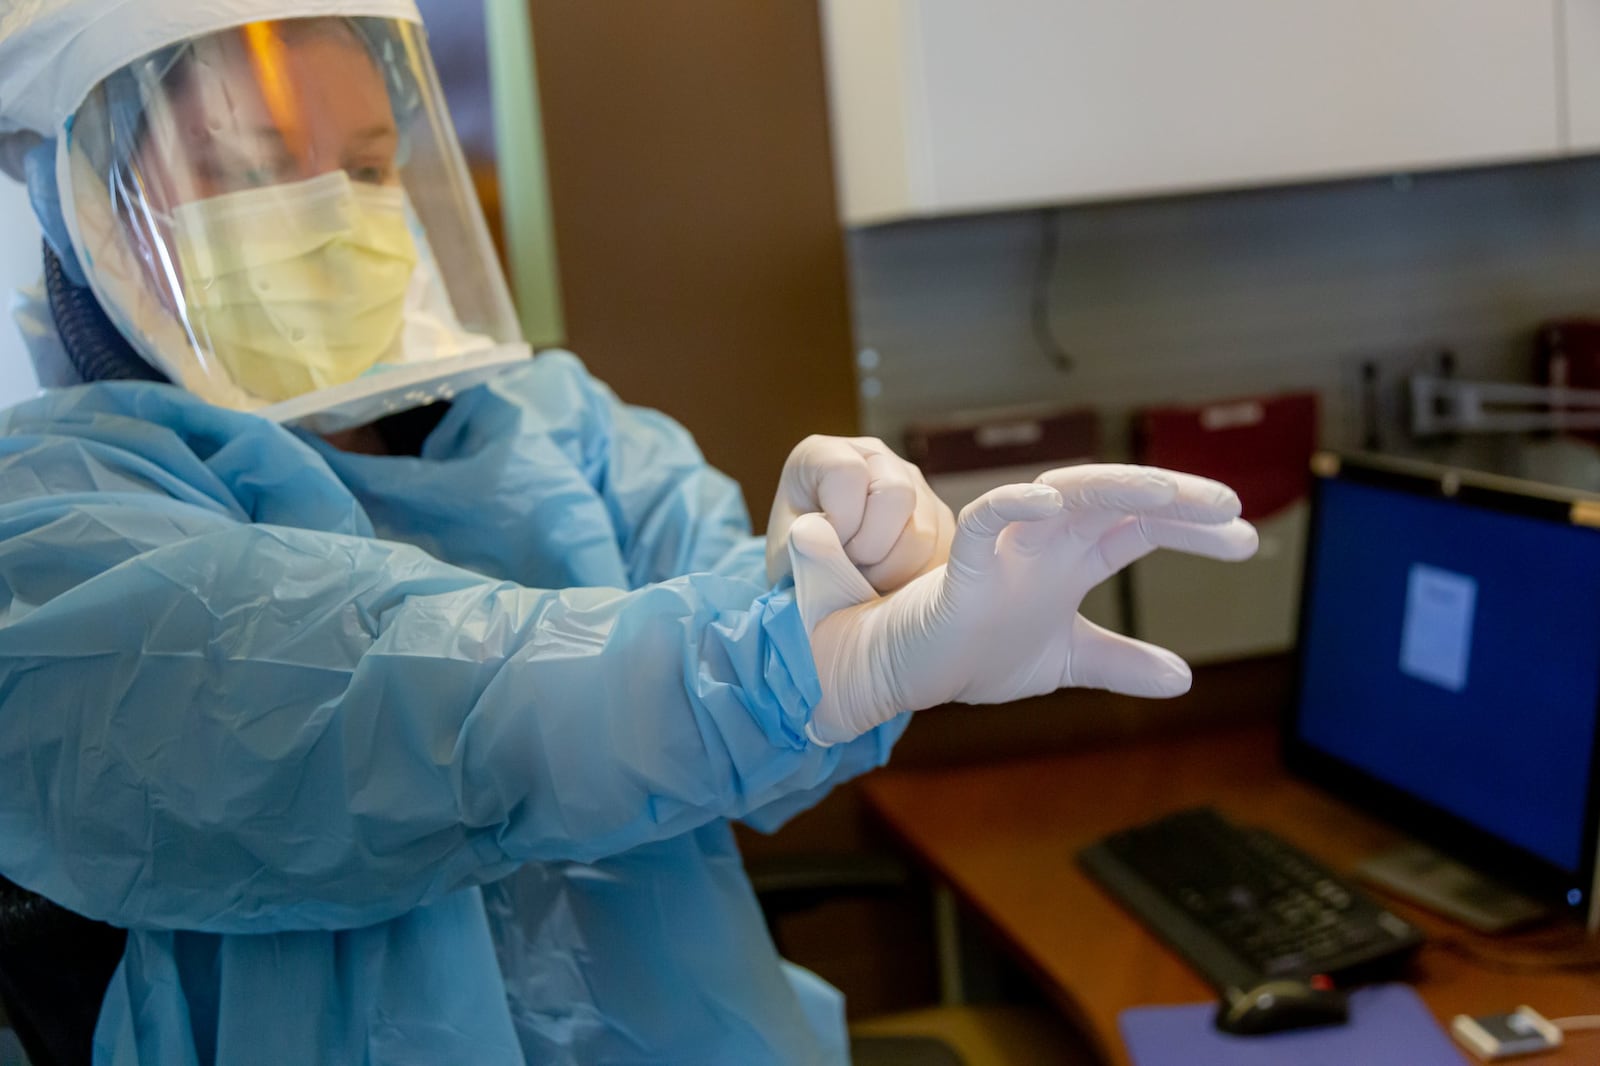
1448,833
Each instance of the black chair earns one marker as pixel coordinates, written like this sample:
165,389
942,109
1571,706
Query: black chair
945,1035
54,969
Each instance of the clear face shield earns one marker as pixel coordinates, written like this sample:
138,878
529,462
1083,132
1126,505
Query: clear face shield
279,218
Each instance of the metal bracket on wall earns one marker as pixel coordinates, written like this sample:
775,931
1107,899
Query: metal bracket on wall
1446,405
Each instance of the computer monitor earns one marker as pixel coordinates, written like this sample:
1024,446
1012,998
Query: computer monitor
1450,666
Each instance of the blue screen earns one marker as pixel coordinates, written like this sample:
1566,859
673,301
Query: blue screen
1454,652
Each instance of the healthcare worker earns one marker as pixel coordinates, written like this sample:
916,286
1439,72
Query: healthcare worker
393,690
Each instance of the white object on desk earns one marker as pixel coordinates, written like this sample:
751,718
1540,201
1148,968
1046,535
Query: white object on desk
1524,1031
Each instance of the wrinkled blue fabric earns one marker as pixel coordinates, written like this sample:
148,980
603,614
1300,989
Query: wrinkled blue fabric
39,166
394,760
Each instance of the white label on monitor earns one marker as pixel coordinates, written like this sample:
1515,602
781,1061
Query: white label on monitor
1436,639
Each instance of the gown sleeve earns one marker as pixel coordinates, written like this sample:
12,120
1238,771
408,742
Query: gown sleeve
675,514
211,720
671,512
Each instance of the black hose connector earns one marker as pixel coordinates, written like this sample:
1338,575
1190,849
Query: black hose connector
97,349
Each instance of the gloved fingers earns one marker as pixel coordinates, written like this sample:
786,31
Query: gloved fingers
828,474
1231,542
890,507
972,548
873,498
1143,490
825,580
1136,537
1075,527
1111,487
1107,660
1095,497
836,479
911,556
1201,499
815,460
924,541
1099,496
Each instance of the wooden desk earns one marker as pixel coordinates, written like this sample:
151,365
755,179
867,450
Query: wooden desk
1003,838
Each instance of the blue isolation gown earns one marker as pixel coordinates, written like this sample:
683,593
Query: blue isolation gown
405,760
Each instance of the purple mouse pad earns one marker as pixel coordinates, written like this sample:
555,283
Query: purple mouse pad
1389,1026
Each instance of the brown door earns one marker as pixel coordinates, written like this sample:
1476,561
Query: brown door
702,261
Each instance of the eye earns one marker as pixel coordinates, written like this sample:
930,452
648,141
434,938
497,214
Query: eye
235,177
371,174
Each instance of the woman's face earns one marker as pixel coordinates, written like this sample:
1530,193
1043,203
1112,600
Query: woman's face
268,104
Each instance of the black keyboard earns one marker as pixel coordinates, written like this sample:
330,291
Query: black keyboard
1243,906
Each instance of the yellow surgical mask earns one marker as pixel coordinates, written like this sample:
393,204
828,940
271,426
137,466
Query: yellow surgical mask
299,286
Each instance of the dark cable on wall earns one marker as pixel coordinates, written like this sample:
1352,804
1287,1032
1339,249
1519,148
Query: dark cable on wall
1044,333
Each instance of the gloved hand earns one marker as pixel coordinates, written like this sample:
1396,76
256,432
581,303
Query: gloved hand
999,621
891,524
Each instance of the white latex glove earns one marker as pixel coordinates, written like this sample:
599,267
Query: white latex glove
891,524
999,622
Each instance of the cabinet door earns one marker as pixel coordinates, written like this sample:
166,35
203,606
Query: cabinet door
1043,101
1580,23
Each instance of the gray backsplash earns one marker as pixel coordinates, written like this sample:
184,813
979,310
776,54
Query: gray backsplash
1196,298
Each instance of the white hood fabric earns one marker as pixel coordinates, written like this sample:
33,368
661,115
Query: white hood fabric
459,324
52,52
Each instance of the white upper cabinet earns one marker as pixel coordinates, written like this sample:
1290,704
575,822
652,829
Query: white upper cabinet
1580,32
946,106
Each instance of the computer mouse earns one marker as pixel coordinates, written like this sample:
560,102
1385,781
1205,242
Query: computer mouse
1283,1004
